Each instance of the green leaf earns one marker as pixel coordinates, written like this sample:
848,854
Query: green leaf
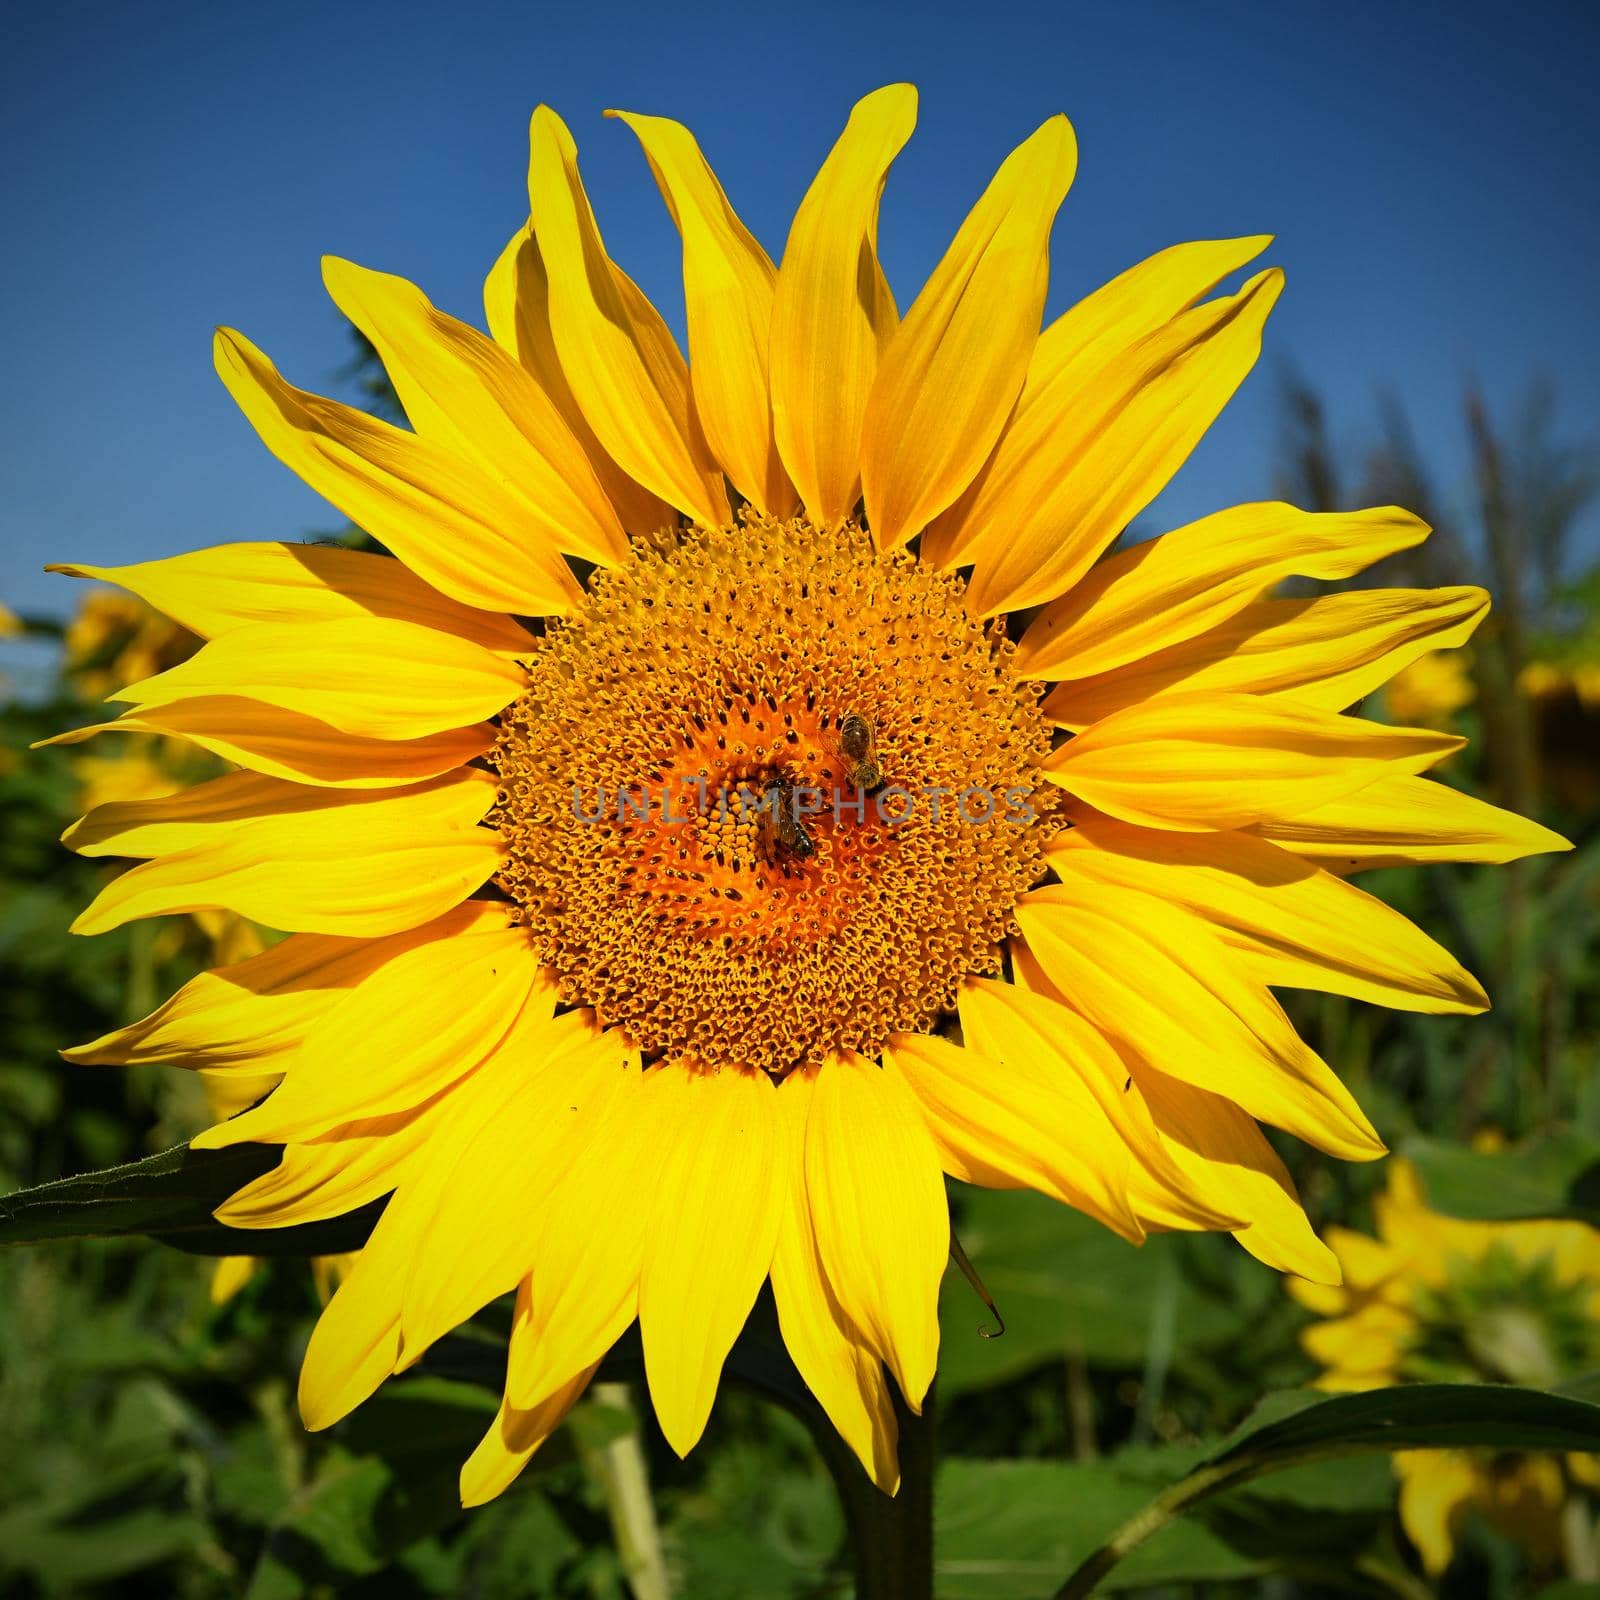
392,1480
1290,1430
1442,1416
170,1197
1554,1176
1006,1530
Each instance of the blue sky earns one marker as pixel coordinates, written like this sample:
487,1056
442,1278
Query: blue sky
1430,172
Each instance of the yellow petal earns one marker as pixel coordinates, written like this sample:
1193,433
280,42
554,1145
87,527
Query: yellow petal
1221,1155
304,860
1090,462
359,1161
1159,593
559,1081
953,370
285,744
1072,353
229,1276
372,676
315,1182
1228,1161
416,1026
362,1162
1365,1346
1002,1126
616,352
255,1014
1399,820
1196,762
704,1264
513,1438
584,1288
1437,1489
1293,926
879,1209
211,592
1033,1033
1327,652
357,1341
444,517
516,300
465,394
833,314
846,1378
355,1344
727,287
1156,978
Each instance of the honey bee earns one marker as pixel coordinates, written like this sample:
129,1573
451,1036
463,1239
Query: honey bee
781,826
858,744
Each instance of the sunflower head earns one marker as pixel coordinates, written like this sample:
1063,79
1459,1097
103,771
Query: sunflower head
688,841
746,786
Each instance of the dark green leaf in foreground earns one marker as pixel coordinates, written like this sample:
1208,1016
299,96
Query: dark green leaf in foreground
1291,1430
1555,1176
1006,1530
170,1197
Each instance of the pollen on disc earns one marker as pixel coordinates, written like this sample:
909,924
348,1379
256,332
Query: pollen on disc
714,668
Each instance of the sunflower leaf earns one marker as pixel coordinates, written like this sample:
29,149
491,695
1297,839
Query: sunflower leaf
1555,1176
171,1197
1290,1430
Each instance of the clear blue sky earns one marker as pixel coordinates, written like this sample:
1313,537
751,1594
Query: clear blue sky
1430,172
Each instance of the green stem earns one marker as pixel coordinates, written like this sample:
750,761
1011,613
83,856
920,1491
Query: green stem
891,1536
619,1468
1201,1484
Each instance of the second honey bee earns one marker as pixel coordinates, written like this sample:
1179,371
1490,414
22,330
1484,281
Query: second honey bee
858,745
781,826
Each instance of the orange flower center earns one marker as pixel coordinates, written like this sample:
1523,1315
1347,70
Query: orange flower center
770,793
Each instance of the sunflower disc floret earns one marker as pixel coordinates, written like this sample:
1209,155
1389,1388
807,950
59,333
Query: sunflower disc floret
709,669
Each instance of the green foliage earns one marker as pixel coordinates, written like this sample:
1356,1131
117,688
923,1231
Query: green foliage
1557,1175
170,1197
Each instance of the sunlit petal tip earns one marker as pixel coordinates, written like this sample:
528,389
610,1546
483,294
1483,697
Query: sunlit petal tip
617,353
880,1212
951,374
512,1440
218,1137
833,314
453,523
1319,1266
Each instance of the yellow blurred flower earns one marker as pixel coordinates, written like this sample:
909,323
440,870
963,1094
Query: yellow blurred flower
139,771
1432,689
116,639
1438,1299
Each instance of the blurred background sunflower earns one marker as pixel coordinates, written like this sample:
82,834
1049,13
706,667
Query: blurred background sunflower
1433,1299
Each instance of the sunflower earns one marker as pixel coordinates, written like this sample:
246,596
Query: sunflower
1432,689
687,865
1441,1300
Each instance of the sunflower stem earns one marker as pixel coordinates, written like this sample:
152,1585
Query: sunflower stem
891,1536
619,1468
